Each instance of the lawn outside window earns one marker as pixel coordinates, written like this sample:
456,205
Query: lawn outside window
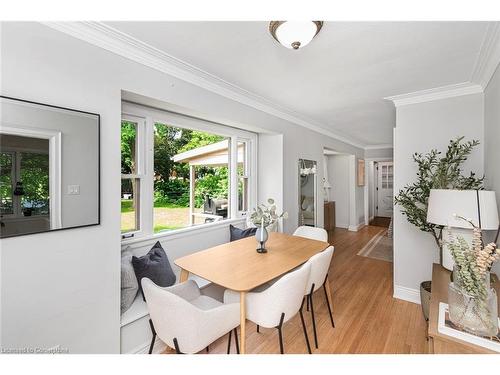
179,172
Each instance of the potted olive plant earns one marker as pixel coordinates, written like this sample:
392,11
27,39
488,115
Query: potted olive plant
436,171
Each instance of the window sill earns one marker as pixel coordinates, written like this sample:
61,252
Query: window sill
184,232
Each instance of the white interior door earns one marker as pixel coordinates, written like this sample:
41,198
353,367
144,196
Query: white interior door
385,179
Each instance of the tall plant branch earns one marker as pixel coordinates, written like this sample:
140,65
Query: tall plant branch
437,171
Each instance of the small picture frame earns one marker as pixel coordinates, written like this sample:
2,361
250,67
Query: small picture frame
361,172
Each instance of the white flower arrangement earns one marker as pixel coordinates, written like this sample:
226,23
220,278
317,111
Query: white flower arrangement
266,214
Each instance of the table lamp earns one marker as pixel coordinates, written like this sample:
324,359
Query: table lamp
444,206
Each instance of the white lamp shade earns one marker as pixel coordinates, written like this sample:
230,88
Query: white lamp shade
444,205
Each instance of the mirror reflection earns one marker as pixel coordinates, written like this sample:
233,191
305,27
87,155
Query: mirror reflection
307,192
49,168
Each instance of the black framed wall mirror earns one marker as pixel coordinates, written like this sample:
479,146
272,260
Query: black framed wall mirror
49,168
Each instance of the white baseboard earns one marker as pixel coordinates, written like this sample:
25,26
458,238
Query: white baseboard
407,294
158,348
341,225
355,228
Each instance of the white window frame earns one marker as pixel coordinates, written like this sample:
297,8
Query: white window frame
150,116
140,173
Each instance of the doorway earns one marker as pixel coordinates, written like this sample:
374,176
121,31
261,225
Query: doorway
384,189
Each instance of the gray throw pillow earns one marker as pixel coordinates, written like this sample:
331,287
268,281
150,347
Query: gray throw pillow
238,234
155,266
129,285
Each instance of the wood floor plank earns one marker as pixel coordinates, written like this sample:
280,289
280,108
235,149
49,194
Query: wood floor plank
367,318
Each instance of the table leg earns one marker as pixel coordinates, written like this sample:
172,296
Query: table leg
183,276
327,286
243,319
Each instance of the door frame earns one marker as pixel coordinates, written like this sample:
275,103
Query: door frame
370,163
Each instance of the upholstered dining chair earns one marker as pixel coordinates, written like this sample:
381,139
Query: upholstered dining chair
185,319
311,232
274,304
320,264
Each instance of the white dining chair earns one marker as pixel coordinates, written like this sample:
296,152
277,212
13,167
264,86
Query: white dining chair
311,232
320,264
274,304
185,319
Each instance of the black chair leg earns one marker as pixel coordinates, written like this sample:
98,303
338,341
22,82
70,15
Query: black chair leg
313,318
280,333
229,343
153,338
176,344
307,303
328,304
304,327
236,341
258,328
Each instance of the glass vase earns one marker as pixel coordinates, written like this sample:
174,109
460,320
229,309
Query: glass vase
476,314
261,236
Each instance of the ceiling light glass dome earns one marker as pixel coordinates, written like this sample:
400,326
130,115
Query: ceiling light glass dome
294,34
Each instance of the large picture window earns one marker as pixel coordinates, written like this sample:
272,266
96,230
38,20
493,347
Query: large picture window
177,172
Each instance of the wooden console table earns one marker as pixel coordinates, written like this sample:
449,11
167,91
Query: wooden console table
438,342
329,215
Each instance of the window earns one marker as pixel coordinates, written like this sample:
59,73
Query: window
186,174
6,183
24,179
243,173
34,174
131,135
191,177
387,176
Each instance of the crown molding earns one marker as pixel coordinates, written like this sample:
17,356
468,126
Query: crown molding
379,147
489,56
486,63
437,93
115,41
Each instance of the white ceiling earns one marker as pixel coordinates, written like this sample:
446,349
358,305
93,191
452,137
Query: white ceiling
340,79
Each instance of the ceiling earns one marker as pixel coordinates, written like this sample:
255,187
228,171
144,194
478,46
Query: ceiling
340,79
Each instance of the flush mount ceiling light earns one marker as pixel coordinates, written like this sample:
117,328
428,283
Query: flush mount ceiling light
294,34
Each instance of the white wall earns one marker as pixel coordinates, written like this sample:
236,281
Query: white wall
379,153
270,167
492,139
338,174
419,128
65,286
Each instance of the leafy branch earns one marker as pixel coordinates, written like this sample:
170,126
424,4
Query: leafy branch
436,171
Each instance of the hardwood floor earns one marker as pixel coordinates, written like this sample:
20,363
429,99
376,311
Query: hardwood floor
380,221
367,318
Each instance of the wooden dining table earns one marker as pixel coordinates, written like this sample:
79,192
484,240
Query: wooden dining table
238,266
